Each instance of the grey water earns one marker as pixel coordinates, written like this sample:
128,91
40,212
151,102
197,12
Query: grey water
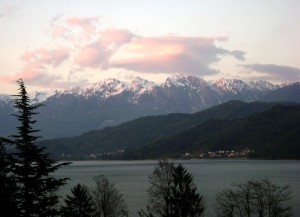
211,176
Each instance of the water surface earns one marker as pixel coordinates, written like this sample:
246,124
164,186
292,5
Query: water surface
210,176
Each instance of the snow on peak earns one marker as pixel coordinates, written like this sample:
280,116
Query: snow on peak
176,80
141,85
231,85
71,91
106,88
179,80
39,96
138,86
263,85
237,86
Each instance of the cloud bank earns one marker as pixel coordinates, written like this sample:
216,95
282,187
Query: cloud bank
169,54
275,72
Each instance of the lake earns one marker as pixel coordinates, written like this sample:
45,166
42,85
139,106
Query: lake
210,176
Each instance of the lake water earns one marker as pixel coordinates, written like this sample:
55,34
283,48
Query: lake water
210,176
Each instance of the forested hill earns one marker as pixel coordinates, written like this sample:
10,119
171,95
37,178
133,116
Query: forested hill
135,134
272,134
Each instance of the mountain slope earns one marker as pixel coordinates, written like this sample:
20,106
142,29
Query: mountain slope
139,132
271,134
287,93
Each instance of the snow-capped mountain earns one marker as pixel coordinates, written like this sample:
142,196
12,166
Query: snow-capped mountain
234,89
39,96
111,102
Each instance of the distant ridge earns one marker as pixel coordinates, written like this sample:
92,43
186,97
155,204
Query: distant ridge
286,93
271,134
157,132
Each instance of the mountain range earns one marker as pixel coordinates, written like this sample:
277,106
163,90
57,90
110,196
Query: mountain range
111,102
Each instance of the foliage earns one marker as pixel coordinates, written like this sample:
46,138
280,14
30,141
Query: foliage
79,204
108,201
254,198
8,188
172,193
184,199
31,166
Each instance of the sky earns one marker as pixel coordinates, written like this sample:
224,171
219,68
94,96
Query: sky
59,44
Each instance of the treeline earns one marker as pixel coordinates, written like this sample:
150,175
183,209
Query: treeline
28,188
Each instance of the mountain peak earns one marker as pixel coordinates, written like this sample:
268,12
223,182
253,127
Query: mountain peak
180,80
106,88
141,85
38,96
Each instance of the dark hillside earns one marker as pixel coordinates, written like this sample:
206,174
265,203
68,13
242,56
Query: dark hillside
137,133
272,134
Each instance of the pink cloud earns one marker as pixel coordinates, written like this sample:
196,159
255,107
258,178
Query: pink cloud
99,53
116,36
31,71
190,55
87,26
94,56
84,23
36,74
35,71
74,29
44,56
101,49
93,47
63,32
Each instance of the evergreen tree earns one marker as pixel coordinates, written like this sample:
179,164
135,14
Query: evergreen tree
79,204
8,188
31,166
184,199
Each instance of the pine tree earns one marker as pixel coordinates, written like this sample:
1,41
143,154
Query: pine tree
32,167
184,197
79,204
8,188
